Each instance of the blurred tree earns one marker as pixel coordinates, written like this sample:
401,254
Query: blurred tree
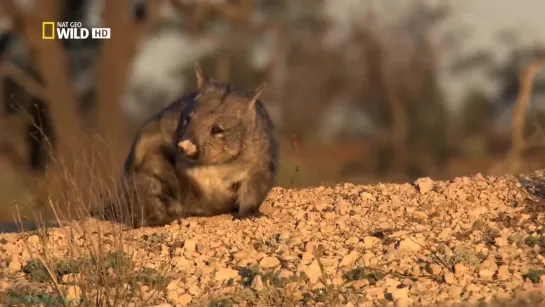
51,84
113,68
397,84
54,85
476,114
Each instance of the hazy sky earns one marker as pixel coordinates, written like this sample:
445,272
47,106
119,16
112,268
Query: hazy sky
479,24
483,21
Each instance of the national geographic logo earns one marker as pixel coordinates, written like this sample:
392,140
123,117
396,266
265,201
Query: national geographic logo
48,30
71,30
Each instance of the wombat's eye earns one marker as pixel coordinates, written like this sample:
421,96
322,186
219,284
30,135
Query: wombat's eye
216,130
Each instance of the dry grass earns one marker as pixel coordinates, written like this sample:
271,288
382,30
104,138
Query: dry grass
98,269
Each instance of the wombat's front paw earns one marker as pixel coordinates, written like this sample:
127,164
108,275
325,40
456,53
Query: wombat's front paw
245,214
237,217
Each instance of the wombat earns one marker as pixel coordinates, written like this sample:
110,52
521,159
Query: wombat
214,151
228,149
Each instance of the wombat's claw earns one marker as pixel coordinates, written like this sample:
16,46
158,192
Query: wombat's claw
249,216
237,217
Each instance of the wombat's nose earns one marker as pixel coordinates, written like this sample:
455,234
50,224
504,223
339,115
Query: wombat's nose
188,148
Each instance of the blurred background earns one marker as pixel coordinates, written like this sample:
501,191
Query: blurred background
361,91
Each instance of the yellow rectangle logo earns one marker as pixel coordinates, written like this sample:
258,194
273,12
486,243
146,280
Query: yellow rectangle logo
47,25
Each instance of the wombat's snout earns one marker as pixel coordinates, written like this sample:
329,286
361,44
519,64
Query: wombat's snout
188,148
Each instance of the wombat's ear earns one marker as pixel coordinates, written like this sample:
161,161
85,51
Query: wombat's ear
201,78
257,93
255,97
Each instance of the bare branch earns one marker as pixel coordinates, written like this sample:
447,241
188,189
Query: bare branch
519,113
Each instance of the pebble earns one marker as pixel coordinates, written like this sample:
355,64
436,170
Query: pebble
173,297
225,274
449,278
486,273
269,262
190,246
72,292
257,283
15,265
424,185
34,239
435,269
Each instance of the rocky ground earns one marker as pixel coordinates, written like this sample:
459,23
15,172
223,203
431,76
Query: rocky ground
466,242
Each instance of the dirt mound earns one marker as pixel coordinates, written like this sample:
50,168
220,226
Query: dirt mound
466,241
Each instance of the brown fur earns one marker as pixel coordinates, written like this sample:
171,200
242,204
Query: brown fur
177,167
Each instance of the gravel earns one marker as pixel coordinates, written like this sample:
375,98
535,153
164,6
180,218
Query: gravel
461,242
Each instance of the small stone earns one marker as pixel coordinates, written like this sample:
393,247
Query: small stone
349,259
190,246
459,269
225,274
455,291
313,272
409,244
390,282
307,257
434,269
501,241
240,255
182,263
329,262
370,242
285,235
424,185
400,293
359,284
420,286
202,248
193,290
402,302
34,239
503,272
449,278
173,285
269,262
257,283
185,299
473,288
173,297
15,265
72,292
352,240
367,196
486,273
